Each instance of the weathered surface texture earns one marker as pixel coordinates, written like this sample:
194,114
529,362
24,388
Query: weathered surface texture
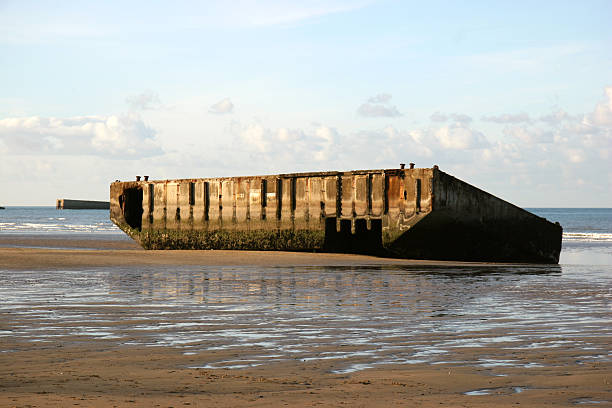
411,213
66,204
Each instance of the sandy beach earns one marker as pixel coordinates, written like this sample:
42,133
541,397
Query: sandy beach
102,373
96,375
33,252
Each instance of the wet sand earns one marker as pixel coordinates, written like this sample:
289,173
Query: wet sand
102,373
57,251
35,258
97,375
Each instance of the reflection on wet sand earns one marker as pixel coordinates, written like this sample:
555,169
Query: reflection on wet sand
295,284
370,315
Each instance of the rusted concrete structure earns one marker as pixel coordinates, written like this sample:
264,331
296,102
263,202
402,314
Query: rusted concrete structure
411,213
66,204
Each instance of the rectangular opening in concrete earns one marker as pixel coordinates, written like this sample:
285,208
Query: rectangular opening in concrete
293,194
338,196
264,198
192,193
131,206
206,200
418,195
151,202
363,240
369,193
151,198
279,198
386,195
264,193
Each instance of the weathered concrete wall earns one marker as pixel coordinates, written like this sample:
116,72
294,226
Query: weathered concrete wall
469,224
66,204
369,211
310,210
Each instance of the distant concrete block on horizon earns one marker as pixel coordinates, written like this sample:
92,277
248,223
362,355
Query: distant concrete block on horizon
66,204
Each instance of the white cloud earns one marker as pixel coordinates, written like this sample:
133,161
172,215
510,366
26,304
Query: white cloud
286,135
380,98
508,118
323,142
556,117
602,115
546,157
556,157
222,107
455,117
147,100
257,136
120,135
377,111
378,106
461,118
529,135
384,148
575,155
289,146
112,136
414,141
438,117
459,136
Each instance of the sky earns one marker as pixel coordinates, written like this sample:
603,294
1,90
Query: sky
514,97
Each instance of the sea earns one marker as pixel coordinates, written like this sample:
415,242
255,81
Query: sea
49,220
356,316
587,232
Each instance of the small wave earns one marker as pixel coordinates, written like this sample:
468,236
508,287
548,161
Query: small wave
33,225
39,227
587,236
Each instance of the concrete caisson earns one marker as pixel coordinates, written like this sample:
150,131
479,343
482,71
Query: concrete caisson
67,204
410,213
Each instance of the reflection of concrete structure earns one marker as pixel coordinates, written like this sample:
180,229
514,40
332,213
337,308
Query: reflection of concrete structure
65,204
411,213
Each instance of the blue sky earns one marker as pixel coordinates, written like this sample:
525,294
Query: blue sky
513,97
